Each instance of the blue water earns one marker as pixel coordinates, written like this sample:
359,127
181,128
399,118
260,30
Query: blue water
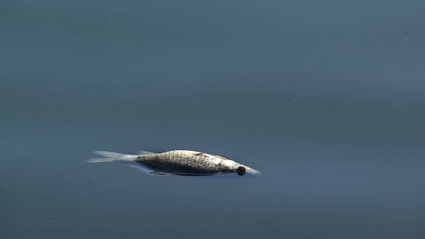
325,98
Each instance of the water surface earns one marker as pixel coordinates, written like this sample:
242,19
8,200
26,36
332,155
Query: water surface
325,98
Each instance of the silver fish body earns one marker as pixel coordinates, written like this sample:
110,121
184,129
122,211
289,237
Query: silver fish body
178,162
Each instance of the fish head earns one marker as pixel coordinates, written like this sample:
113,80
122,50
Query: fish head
230,166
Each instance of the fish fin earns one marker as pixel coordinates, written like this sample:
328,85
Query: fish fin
147,170
108,154
110,157
157,173
218,156
141,152
139,167
100,160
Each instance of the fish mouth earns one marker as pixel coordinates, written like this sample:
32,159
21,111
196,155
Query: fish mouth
252,171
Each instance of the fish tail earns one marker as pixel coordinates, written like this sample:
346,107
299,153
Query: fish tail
108,157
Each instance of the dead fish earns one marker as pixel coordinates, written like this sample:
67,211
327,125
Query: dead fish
176,162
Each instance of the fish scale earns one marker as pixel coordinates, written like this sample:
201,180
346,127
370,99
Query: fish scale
183,161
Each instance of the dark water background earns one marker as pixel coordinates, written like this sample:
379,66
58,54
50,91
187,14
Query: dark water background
325,98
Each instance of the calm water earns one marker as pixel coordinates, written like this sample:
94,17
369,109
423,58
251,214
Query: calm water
325,98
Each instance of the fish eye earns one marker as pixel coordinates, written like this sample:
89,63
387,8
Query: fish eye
241,170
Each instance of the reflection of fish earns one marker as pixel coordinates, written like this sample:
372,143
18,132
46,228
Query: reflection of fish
176,162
